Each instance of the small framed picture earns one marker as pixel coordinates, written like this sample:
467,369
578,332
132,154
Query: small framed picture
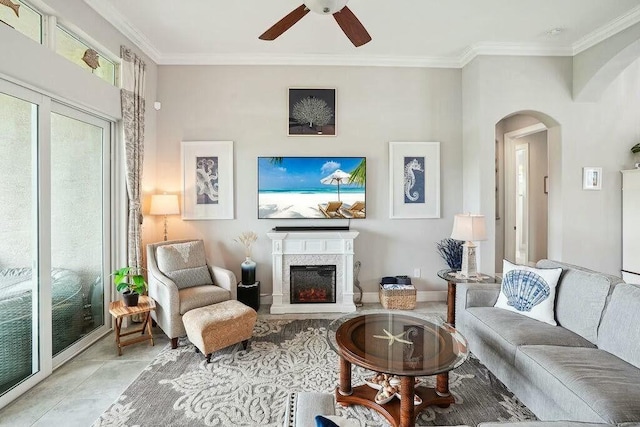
312,112
591,178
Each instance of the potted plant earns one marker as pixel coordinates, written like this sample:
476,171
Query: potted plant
131,285
636,152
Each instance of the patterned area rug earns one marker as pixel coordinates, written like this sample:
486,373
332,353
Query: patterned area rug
250,388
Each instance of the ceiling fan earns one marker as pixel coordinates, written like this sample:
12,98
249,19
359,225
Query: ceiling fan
351,26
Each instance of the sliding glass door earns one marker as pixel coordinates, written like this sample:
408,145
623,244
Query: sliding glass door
55,207
78,194
19,287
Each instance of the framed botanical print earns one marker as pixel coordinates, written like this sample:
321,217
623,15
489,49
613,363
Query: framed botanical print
312,112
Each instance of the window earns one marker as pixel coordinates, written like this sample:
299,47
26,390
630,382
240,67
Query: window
29,23
74,49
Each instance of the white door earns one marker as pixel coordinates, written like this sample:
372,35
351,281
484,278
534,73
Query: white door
522,203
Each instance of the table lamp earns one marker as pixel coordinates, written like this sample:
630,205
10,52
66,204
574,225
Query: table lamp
164,204
469,228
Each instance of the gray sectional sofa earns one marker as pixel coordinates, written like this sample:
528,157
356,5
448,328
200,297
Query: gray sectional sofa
585,369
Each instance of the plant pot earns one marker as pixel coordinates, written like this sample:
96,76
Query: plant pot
130,298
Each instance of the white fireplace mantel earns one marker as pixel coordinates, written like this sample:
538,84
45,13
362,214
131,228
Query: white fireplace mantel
312,248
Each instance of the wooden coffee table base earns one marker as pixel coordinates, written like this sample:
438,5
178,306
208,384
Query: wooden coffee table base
399,413
365,395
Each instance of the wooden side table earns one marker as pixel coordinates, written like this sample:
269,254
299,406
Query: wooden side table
120,311
452,279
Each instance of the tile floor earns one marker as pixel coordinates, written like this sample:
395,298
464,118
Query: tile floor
80,390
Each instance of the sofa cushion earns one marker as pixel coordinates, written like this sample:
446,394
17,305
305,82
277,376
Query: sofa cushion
184,263
619,333
581,297
592,384
201,296
505,330
529,291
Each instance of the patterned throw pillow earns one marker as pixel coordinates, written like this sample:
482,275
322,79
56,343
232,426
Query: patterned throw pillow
184,263
529,291
334,421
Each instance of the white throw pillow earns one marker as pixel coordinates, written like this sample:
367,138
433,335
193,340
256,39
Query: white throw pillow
529,291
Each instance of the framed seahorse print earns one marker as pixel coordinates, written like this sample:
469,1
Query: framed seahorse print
414,180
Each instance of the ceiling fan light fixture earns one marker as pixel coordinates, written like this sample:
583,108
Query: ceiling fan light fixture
325,7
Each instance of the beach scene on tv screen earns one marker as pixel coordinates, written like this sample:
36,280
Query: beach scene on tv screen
311,187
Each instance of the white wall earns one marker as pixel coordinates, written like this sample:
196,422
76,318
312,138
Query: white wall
591,134
248,105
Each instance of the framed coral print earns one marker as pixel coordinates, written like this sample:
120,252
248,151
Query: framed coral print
591,178
207,180
312,112
414,180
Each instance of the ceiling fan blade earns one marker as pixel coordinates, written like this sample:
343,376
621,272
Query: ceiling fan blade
285,23
352,27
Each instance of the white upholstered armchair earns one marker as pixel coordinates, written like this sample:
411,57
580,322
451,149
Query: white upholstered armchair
180,280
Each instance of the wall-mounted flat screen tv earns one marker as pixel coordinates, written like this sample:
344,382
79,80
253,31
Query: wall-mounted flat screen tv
312,187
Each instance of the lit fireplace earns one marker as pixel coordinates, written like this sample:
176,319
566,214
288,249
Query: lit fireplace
312,284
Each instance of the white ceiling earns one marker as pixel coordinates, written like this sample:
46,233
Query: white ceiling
445,33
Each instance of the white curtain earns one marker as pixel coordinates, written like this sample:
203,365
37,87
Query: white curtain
133,107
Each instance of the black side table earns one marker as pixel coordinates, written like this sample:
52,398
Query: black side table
249,294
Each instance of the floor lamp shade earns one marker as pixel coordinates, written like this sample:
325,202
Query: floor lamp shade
164,204
469,228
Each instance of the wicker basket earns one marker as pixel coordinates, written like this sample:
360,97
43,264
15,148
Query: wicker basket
398,299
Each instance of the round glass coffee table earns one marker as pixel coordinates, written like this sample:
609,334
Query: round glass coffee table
403,344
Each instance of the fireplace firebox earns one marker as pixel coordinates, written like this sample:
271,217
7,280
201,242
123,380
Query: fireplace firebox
312,284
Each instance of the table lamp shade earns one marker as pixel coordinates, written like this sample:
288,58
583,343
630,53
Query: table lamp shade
469,228
164,204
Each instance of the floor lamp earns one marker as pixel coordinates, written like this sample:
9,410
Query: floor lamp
469,228
164,204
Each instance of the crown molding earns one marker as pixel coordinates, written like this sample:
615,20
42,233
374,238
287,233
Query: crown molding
308,59
115,18
612,28
512,49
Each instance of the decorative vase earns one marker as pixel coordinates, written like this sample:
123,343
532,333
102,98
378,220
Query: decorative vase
130,298
248,271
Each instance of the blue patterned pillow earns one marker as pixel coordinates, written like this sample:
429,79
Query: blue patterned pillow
322,421
529,291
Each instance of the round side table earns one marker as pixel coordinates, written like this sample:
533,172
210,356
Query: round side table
452,277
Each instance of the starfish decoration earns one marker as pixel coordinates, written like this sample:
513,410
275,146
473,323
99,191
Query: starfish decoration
393,338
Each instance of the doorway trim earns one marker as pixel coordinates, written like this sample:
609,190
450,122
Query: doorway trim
510,142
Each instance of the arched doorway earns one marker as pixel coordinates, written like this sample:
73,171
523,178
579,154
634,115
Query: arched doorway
527,154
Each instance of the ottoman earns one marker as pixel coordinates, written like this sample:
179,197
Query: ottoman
219,325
